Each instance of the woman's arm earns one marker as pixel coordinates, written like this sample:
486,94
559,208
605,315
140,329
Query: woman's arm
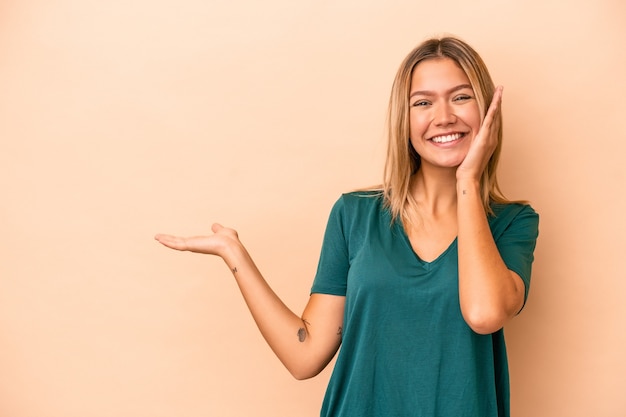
304,344
490,294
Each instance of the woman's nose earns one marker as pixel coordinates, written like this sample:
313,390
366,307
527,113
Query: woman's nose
444,115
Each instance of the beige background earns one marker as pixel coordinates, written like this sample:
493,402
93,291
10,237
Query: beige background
121,119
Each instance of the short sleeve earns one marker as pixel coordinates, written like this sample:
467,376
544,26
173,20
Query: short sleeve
333,266
516,237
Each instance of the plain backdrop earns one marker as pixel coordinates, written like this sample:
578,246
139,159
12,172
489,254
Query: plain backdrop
123,119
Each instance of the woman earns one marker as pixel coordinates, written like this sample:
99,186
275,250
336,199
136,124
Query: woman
416,278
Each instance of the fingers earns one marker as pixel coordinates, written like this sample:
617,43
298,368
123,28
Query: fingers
484,143
494,107
213,244
219,229
173,242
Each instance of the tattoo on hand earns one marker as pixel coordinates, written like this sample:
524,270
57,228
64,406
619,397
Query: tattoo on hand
234,270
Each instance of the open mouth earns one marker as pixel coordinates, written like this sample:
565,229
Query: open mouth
447,138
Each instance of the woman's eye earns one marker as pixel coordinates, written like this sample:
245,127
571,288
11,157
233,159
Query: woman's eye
462,98
420,103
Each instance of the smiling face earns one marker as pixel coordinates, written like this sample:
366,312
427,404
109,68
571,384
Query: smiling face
444,117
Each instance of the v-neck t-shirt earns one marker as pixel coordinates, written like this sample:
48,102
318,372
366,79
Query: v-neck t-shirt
406,350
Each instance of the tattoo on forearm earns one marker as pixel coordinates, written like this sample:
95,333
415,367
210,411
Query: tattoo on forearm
464,192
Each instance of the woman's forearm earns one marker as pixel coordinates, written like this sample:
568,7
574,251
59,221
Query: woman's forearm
489,293
286,333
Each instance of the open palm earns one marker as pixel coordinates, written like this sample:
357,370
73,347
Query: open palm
215,244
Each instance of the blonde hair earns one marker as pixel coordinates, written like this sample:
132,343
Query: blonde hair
402,160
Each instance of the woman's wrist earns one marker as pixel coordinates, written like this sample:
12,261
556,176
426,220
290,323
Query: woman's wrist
235,255
467,186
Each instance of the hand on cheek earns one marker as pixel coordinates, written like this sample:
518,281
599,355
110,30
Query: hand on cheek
483,144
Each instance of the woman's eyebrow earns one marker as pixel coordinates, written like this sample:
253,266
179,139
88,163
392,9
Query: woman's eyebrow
432,93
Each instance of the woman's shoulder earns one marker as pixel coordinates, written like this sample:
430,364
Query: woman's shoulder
361,199
355,204
512,216
360,194
502,210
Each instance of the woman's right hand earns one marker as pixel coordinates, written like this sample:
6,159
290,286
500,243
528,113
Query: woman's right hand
215,244
304,344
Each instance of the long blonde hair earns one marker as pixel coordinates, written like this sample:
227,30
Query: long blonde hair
402,160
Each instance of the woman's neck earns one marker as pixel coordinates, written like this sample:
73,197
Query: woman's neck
434,190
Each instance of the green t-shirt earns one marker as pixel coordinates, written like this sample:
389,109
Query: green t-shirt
406,350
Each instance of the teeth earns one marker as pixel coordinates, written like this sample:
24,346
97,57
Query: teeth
447,138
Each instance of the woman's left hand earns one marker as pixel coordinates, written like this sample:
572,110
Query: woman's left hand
483,144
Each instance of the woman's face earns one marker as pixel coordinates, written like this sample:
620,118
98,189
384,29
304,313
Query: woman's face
444,116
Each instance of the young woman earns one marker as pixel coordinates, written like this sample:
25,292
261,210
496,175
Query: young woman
417,278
